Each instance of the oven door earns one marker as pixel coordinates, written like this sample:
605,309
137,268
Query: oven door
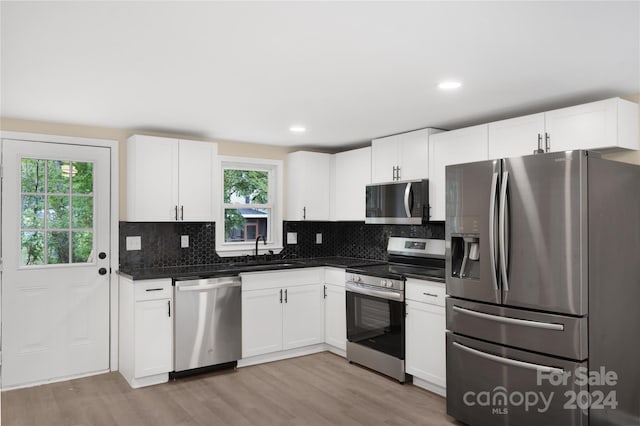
375,318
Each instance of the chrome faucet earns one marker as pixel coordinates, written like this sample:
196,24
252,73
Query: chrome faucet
257,240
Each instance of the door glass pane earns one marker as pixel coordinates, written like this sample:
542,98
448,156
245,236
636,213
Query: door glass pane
82,212
58,213
82,177
32,211
82,247
58,177
58,247
56,225
32,175
32,248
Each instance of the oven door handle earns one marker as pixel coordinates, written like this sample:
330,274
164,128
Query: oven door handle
370,291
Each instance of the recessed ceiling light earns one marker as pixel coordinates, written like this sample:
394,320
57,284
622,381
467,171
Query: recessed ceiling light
297,129
449,85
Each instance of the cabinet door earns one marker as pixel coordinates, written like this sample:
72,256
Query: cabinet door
308,185
303,322
352,173
516,137
425,350
454,147
384,157
153,338
261,322
414,155
196,168
335,325
592,125
152,179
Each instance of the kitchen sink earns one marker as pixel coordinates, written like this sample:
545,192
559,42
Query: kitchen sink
261,266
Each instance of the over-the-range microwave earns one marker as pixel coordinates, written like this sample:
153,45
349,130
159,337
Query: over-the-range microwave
398,203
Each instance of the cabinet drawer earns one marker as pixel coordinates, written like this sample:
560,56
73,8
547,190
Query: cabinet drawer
153,289
429,292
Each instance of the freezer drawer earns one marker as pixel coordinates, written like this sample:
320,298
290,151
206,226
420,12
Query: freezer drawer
489,384
558,335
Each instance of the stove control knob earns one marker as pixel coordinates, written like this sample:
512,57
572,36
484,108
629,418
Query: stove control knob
356,279
389,283
383,283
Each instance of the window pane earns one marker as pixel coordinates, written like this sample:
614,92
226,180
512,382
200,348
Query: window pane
245,224
58,177
58,247
32,248
32,211
32,175
58,212
82,247
82,177
82,215
246,186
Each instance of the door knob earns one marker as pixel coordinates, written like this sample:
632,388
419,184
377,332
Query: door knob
102,271
102,255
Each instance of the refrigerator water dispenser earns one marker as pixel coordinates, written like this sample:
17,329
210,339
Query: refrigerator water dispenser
465,256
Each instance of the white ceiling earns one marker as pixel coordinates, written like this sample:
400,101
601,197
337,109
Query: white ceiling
348,71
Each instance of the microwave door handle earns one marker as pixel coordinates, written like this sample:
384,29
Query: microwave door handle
503,230
492,231
407,194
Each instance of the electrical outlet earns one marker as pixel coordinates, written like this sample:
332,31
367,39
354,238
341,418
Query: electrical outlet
319,238
184,241
134,243
292,238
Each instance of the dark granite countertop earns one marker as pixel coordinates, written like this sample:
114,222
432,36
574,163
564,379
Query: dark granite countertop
227,269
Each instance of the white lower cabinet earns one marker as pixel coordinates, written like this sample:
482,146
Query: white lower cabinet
146,331
282,310
425,335
335,316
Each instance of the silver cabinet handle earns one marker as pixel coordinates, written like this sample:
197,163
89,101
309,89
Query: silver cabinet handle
511,321
407,194
154,289
430,294
503,230
509,361
492,231
280,295
181,212
394,173
285,295
304,213
176,211
169,307
398,173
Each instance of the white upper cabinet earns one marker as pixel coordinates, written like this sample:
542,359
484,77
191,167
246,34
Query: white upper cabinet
516,137
401,157
308,176
454,147
170,179
351,173
611,123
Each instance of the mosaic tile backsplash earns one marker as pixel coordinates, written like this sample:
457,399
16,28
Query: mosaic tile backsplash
161,241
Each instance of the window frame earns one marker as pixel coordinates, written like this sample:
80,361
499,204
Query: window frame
274,240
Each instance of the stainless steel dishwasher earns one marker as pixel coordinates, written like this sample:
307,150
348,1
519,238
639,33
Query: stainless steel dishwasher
207,322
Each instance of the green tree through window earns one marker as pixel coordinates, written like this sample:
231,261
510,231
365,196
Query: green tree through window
247,192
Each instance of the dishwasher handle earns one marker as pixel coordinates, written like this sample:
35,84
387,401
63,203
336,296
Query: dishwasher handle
207,284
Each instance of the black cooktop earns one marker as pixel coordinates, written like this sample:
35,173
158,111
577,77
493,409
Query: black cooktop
400,271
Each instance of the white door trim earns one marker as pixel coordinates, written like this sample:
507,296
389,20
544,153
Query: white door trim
114,232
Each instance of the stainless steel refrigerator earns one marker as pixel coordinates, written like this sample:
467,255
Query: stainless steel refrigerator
543,278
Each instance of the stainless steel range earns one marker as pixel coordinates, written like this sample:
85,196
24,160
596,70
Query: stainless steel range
376,306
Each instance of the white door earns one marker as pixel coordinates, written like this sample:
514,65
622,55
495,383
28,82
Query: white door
261,321
516,137
384,158
303,322
335,317
55,246
415,155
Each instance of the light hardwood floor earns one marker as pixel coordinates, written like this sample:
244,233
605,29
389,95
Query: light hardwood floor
320,389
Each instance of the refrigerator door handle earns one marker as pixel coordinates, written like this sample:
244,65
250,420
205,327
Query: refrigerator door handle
407,195
492,236
509,361
502,231
508,320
